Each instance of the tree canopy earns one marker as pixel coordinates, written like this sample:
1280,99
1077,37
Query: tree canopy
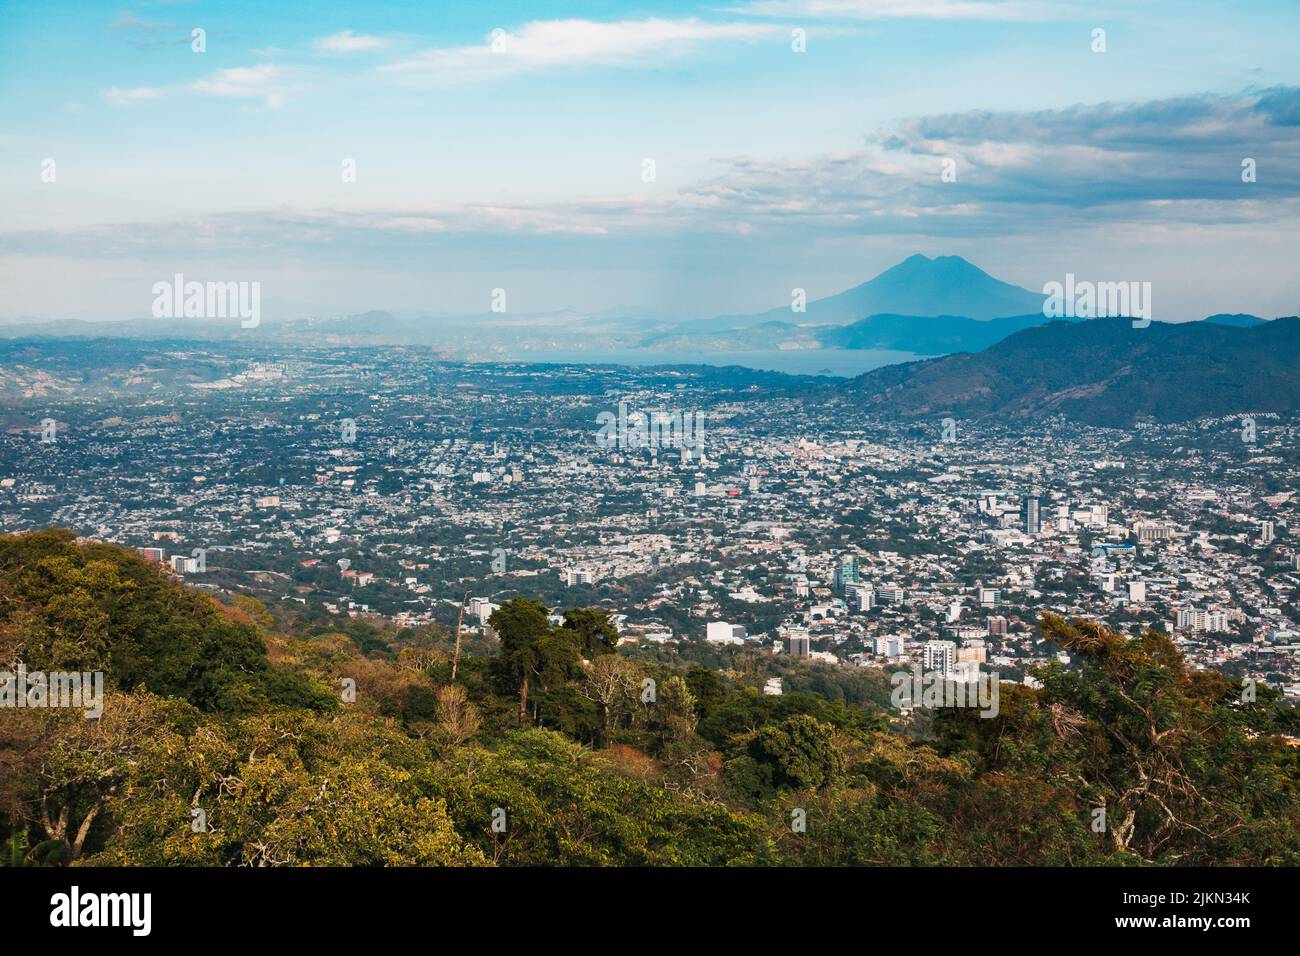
232,736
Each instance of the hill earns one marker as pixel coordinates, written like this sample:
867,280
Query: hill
1239,319
1101,372
234,711
935,335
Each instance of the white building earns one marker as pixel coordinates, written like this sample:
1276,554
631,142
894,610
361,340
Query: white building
859,597
893,647
481,608
940,656
1195,620
890,595
720,632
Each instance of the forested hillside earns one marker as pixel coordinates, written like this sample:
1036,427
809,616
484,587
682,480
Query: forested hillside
551,747
1100,372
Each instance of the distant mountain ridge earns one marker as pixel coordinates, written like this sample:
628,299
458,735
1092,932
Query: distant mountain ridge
917,334
1239,319
921,306
1100,372
926,335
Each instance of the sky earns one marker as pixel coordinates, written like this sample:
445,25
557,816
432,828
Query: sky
677,158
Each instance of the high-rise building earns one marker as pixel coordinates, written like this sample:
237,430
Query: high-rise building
481,608
846,573
997,626
895,646
800,644
1266,531
940,656
1032,524
1194,619
1146,531
859,596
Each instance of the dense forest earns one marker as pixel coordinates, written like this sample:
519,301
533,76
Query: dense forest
233,734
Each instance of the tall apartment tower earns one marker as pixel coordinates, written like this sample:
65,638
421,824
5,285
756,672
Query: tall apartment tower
940,656
1032,523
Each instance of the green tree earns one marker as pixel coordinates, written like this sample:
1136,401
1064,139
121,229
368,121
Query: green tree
532,651
559,806
595,631
794,754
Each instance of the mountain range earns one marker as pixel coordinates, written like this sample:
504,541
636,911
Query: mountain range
1100,372
921,307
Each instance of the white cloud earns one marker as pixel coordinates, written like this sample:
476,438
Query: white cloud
240,80
346,41
913,9
1156,165
555,43
125,97
263,80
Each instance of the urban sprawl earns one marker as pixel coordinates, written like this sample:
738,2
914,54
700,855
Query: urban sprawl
390,484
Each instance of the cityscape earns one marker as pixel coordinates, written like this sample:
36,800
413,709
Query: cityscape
393,485
525,457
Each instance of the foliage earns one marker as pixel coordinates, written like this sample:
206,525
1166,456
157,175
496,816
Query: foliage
560,750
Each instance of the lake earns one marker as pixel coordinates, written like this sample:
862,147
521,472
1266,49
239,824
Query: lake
841,363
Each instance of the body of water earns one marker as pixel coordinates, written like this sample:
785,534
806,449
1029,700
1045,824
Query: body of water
841,363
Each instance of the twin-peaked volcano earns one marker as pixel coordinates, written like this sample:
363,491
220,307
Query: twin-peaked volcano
919,286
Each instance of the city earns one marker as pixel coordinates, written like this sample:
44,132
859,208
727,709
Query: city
395,486
566,456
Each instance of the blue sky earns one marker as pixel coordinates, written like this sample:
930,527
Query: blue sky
519,163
